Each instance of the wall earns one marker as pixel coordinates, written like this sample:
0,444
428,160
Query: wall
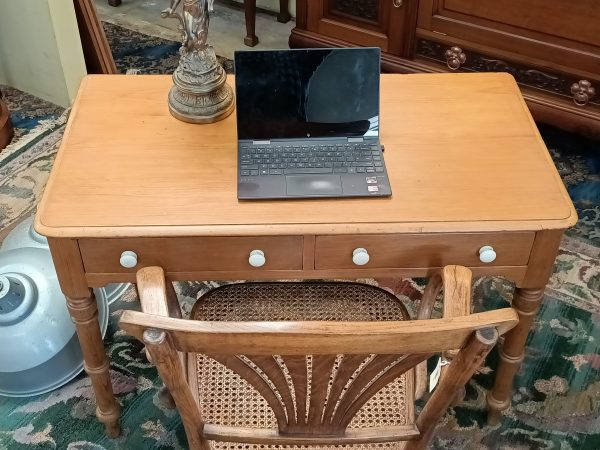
40,49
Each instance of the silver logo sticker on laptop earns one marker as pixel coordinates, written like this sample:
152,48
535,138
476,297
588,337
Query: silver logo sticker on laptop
371,180
373,188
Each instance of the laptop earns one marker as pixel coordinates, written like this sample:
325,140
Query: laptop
308,124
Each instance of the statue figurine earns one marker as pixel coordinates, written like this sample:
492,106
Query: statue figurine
200,93
193,23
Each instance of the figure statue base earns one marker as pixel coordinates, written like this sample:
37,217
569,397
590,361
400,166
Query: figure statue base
200,93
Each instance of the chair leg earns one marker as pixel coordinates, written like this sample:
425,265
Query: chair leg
284,11
459,371
250,11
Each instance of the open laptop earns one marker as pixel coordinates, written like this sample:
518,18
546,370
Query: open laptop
308,124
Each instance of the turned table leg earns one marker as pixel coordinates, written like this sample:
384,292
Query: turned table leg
84,311
526,302
250,11
284,12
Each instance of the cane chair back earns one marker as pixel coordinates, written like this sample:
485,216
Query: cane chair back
311,355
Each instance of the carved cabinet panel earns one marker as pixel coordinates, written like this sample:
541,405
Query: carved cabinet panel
377,23
551,47
563,34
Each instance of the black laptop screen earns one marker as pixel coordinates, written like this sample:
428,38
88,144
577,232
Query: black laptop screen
307,93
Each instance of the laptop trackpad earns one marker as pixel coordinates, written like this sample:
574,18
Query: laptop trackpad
313,185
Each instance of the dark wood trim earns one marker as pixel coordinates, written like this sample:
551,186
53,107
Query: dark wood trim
96,51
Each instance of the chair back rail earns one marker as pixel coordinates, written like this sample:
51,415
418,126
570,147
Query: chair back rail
319,338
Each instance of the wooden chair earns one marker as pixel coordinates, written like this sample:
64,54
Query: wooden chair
342,374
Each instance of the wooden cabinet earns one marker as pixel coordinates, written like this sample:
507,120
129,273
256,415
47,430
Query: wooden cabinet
375,23
551,47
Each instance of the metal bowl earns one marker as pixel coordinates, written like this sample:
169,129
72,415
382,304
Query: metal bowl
40,350
24,235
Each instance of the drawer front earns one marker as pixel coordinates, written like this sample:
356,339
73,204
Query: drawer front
191,254
422,250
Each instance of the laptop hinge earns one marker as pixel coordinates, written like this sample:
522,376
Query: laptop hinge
355,139
264,142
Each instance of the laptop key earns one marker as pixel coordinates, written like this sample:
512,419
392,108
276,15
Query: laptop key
308,170
340,170
275,171
249,167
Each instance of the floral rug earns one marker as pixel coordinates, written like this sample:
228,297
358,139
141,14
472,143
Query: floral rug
556,401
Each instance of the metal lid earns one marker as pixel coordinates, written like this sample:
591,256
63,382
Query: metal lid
24,235
39,350
35,329
18,296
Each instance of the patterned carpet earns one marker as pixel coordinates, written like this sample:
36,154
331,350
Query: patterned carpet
556,403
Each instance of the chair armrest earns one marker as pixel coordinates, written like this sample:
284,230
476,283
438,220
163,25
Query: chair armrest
457,291
456,281
157,295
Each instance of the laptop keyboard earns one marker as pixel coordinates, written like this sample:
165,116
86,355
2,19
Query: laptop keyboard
278,159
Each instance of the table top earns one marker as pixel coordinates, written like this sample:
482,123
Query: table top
462,152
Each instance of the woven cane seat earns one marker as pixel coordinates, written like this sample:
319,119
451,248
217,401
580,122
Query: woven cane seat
227,399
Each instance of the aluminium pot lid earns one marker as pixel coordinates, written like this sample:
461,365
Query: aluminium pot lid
24,235
39,350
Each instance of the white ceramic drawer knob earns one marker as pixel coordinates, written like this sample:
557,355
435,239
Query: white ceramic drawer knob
257,258
128,259
360,256
487,254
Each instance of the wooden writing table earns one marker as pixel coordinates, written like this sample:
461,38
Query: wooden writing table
467,166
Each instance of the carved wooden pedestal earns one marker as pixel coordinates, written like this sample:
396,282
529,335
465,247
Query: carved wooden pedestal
6,128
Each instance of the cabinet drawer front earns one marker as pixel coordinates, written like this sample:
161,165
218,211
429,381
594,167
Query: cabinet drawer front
191,254
422,250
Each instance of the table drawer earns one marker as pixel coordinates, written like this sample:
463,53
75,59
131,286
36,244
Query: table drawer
423,250
191,254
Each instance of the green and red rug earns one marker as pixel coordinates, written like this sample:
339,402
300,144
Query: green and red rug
556,401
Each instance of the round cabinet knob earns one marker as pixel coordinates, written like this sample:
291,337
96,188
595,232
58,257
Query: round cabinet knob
128,259
257,258
360,256
487,254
